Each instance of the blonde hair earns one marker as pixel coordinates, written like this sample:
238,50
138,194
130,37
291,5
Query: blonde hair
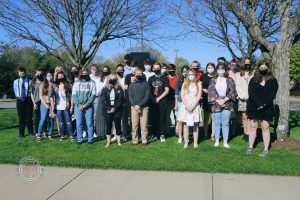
110,77
187,81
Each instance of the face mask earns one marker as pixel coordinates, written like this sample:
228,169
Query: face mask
74,73
210,71
191,77
61,80
164,71
49,78
263,72
105,73
233,67
147,67
22,77
139,77
93,71
40,77
132,70
183,74
196,69
113,81
157,71
172,73
85,77
247,67
221,72
120,74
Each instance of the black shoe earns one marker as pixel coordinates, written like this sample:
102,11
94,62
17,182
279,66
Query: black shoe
79,143
90,142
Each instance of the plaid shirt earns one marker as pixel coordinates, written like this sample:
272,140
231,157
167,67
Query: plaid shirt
230,94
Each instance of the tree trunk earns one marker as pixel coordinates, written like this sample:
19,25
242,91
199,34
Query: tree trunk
281,60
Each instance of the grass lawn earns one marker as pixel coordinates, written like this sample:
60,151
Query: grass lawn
168,156
7,100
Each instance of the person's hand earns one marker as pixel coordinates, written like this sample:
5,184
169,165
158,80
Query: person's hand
136,107
35,106
82,107
205,90
221,102
260,108
176,107
157,100
112,110
71,110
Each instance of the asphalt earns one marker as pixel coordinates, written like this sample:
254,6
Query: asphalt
70,183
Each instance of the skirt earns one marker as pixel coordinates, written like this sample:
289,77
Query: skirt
100,121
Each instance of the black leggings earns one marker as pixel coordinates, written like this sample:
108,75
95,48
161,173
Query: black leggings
116,118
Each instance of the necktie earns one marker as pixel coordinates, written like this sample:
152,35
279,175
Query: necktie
23,92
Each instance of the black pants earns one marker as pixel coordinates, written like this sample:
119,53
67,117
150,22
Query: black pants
126,110
25,110
170,108
116,118
159,118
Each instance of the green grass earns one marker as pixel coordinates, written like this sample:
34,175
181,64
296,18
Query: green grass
7,100
168,156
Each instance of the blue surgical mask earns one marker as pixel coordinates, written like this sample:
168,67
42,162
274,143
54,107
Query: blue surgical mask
221,72
147,67
210,71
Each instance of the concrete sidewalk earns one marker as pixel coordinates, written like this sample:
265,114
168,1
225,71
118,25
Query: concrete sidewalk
79,184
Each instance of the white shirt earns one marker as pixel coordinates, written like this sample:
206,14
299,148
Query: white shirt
61,101
221,86
97,81
112,97
148,74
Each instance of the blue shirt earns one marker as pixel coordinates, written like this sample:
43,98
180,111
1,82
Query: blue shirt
18,87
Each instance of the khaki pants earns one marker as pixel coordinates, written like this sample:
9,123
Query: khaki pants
142,120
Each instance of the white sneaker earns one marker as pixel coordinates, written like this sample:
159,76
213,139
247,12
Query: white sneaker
226,146
185,146
162,138
179,140
113,139
84,134
95,135
195,146
216,144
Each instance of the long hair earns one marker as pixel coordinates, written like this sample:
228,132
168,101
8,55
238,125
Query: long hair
259,76
81,72
187,81
214,66
222,66
66,83
110,77
35,78
242,69
102,75
45,88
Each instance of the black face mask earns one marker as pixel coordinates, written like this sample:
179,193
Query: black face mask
172,73
156,71
85,77
74,73
247,67
120,74
196,69
263,72
39,77
140,77
113,81
105,73
61,80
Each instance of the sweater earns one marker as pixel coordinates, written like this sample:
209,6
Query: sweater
84,92
139,93
242,87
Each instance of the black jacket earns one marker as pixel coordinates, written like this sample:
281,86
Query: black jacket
139,93
105,100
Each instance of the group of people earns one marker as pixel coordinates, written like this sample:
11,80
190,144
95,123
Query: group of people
146,100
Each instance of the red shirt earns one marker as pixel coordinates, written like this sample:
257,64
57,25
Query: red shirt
173,81
199,74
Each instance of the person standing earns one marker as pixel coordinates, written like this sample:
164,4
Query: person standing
24,104
205,79
83,93
173,78
148,69
190,111
221,96
242,85
35,97
61,104
139,95
96,78
197,67
159,87
112,100
178,101
45,108
260,105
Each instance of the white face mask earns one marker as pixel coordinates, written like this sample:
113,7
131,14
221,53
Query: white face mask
147,67
191,77
132,70
93,71
49,78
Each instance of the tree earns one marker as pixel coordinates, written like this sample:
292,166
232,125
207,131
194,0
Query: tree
77,26
180,61
213,20
289,20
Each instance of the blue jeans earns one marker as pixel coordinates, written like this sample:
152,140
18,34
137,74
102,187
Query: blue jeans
44,116
86,114
222,118
64,116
